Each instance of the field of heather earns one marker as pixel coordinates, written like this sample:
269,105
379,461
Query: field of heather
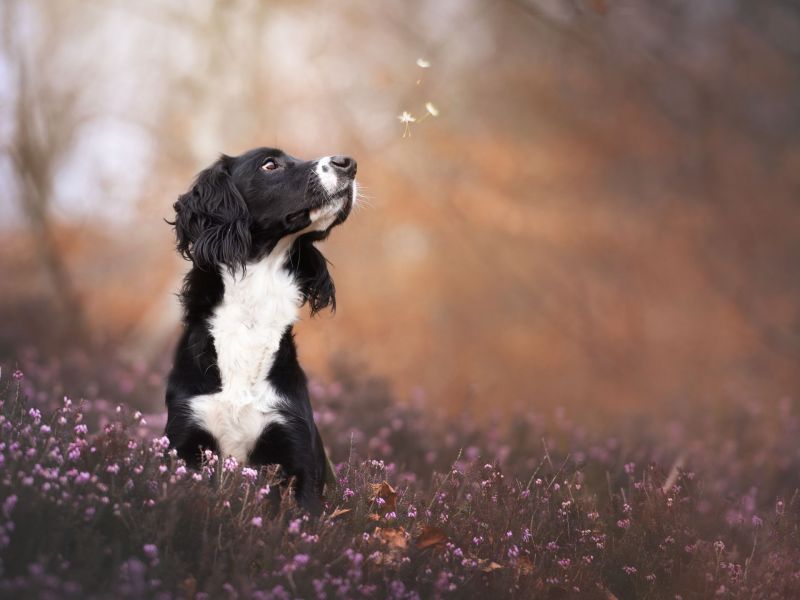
696,505
565,357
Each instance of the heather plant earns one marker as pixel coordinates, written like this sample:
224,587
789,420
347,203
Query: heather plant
93,503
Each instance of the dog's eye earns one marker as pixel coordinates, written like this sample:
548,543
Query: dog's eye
270,165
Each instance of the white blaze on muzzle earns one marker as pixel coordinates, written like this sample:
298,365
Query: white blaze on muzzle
327,175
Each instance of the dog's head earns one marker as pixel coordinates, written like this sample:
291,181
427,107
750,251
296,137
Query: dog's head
240,208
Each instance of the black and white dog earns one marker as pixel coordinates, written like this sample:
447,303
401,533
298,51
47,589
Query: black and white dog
248,224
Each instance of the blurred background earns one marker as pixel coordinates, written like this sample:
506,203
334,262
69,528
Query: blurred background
604,214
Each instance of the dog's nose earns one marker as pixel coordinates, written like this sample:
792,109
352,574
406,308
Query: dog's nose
344,164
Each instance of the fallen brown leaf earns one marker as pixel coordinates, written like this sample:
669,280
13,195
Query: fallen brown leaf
387,493
190,586
487,566
431,536
394,538
339,512
524,566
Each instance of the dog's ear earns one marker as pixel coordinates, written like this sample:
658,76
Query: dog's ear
311,273
212,223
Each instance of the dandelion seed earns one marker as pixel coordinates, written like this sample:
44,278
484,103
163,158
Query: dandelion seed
432,110
423,64
406,118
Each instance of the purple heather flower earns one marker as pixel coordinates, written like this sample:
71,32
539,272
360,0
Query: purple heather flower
9,505
256,522
249,474
629,570
294,526
526,535
564,563
412,512
630,468
301,560
161,443
230,464
17,375
150,551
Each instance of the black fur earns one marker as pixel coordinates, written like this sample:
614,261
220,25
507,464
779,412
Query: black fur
235,213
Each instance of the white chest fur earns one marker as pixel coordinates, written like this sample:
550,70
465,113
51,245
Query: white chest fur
247,327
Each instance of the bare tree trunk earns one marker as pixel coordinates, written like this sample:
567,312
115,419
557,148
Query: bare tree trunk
42,133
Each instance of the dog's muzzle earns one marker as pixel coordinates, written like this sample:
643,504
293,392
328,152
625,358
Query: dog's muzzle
336,173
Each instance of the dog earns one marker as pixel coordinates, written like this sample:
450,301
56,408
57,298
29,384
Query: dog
249,225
